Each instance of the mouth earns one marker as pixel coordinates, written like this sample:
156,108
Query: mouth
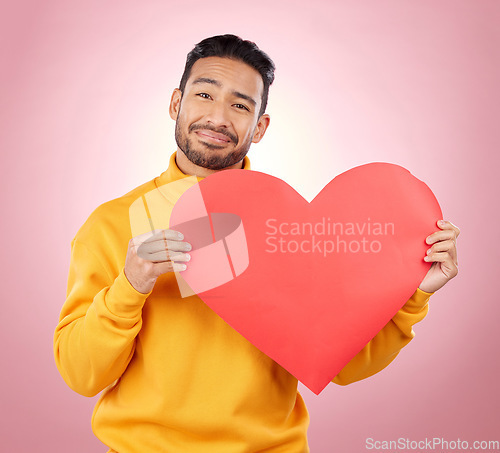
212,137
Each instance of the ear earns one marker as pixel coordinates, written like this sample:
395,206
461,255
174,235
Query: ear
261,128
175,104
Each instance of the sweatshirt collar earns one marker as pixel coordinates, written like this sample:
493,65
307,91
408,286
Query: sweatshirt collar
173,172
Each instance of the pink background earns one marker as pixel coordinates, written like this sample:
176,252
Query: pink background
84,118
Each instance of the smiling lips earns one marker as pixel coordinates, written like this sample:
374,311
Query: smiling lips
215,137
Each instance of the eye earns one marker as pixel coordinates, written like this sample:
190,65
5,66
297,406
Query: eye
241,107
204,95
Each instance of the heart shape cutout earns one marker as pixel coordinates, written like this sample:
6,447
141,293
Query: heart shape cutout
309,284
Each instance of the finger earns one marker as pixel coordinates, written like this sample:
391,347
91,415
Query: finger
148,248
445,224
438,257
161,251
170,266
445,246
157,235
442,235
150,252
165,255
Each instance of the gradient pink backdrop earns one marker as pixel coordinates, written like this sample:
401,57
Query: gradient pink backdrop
84,118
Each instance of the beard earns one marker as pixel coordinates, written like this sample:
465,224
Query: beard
209,157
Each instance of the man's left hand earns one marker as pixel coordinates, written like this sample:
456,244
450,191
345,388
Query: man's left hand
443,256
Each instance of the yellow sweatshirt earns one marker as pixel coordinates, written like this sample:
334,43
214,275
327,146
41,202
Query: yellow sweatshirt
176,377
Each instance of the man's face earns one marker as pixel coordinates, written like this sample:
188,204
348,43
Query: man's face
217,116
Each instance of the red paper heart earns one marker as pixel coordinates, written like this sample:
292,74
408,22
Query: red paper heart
310,308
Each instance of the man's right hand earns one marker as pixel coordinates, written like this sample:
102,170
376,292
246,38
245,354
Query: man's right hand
153,254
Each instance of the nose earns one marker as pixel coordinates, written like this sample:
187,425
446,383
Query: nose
218,115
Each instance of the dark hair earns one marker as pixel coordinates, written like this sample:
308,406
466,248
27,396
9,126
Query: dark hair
231,46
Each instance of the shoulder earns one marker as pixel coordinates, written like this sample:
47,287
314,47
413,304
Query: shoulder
112,217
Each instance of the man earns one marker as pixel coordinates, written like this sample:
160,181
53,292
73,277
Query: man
176,377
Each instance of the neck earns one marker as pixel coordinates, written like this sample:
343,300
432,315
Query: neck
187,167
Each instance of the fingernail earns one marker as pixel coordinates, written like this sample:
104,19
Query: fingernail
442,223
180,235
188,246
183,267
428,251
188,256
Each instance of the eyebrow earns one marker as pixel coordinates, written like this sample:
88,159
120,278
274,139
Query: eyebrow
219,85
245,96
207,80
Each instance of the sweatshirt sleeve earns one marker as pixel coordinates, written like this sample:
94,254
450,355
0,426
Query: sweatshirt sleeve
385,346
95,338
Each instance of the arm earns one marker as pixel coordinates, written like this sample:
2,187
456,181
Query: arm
95,338
385,346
